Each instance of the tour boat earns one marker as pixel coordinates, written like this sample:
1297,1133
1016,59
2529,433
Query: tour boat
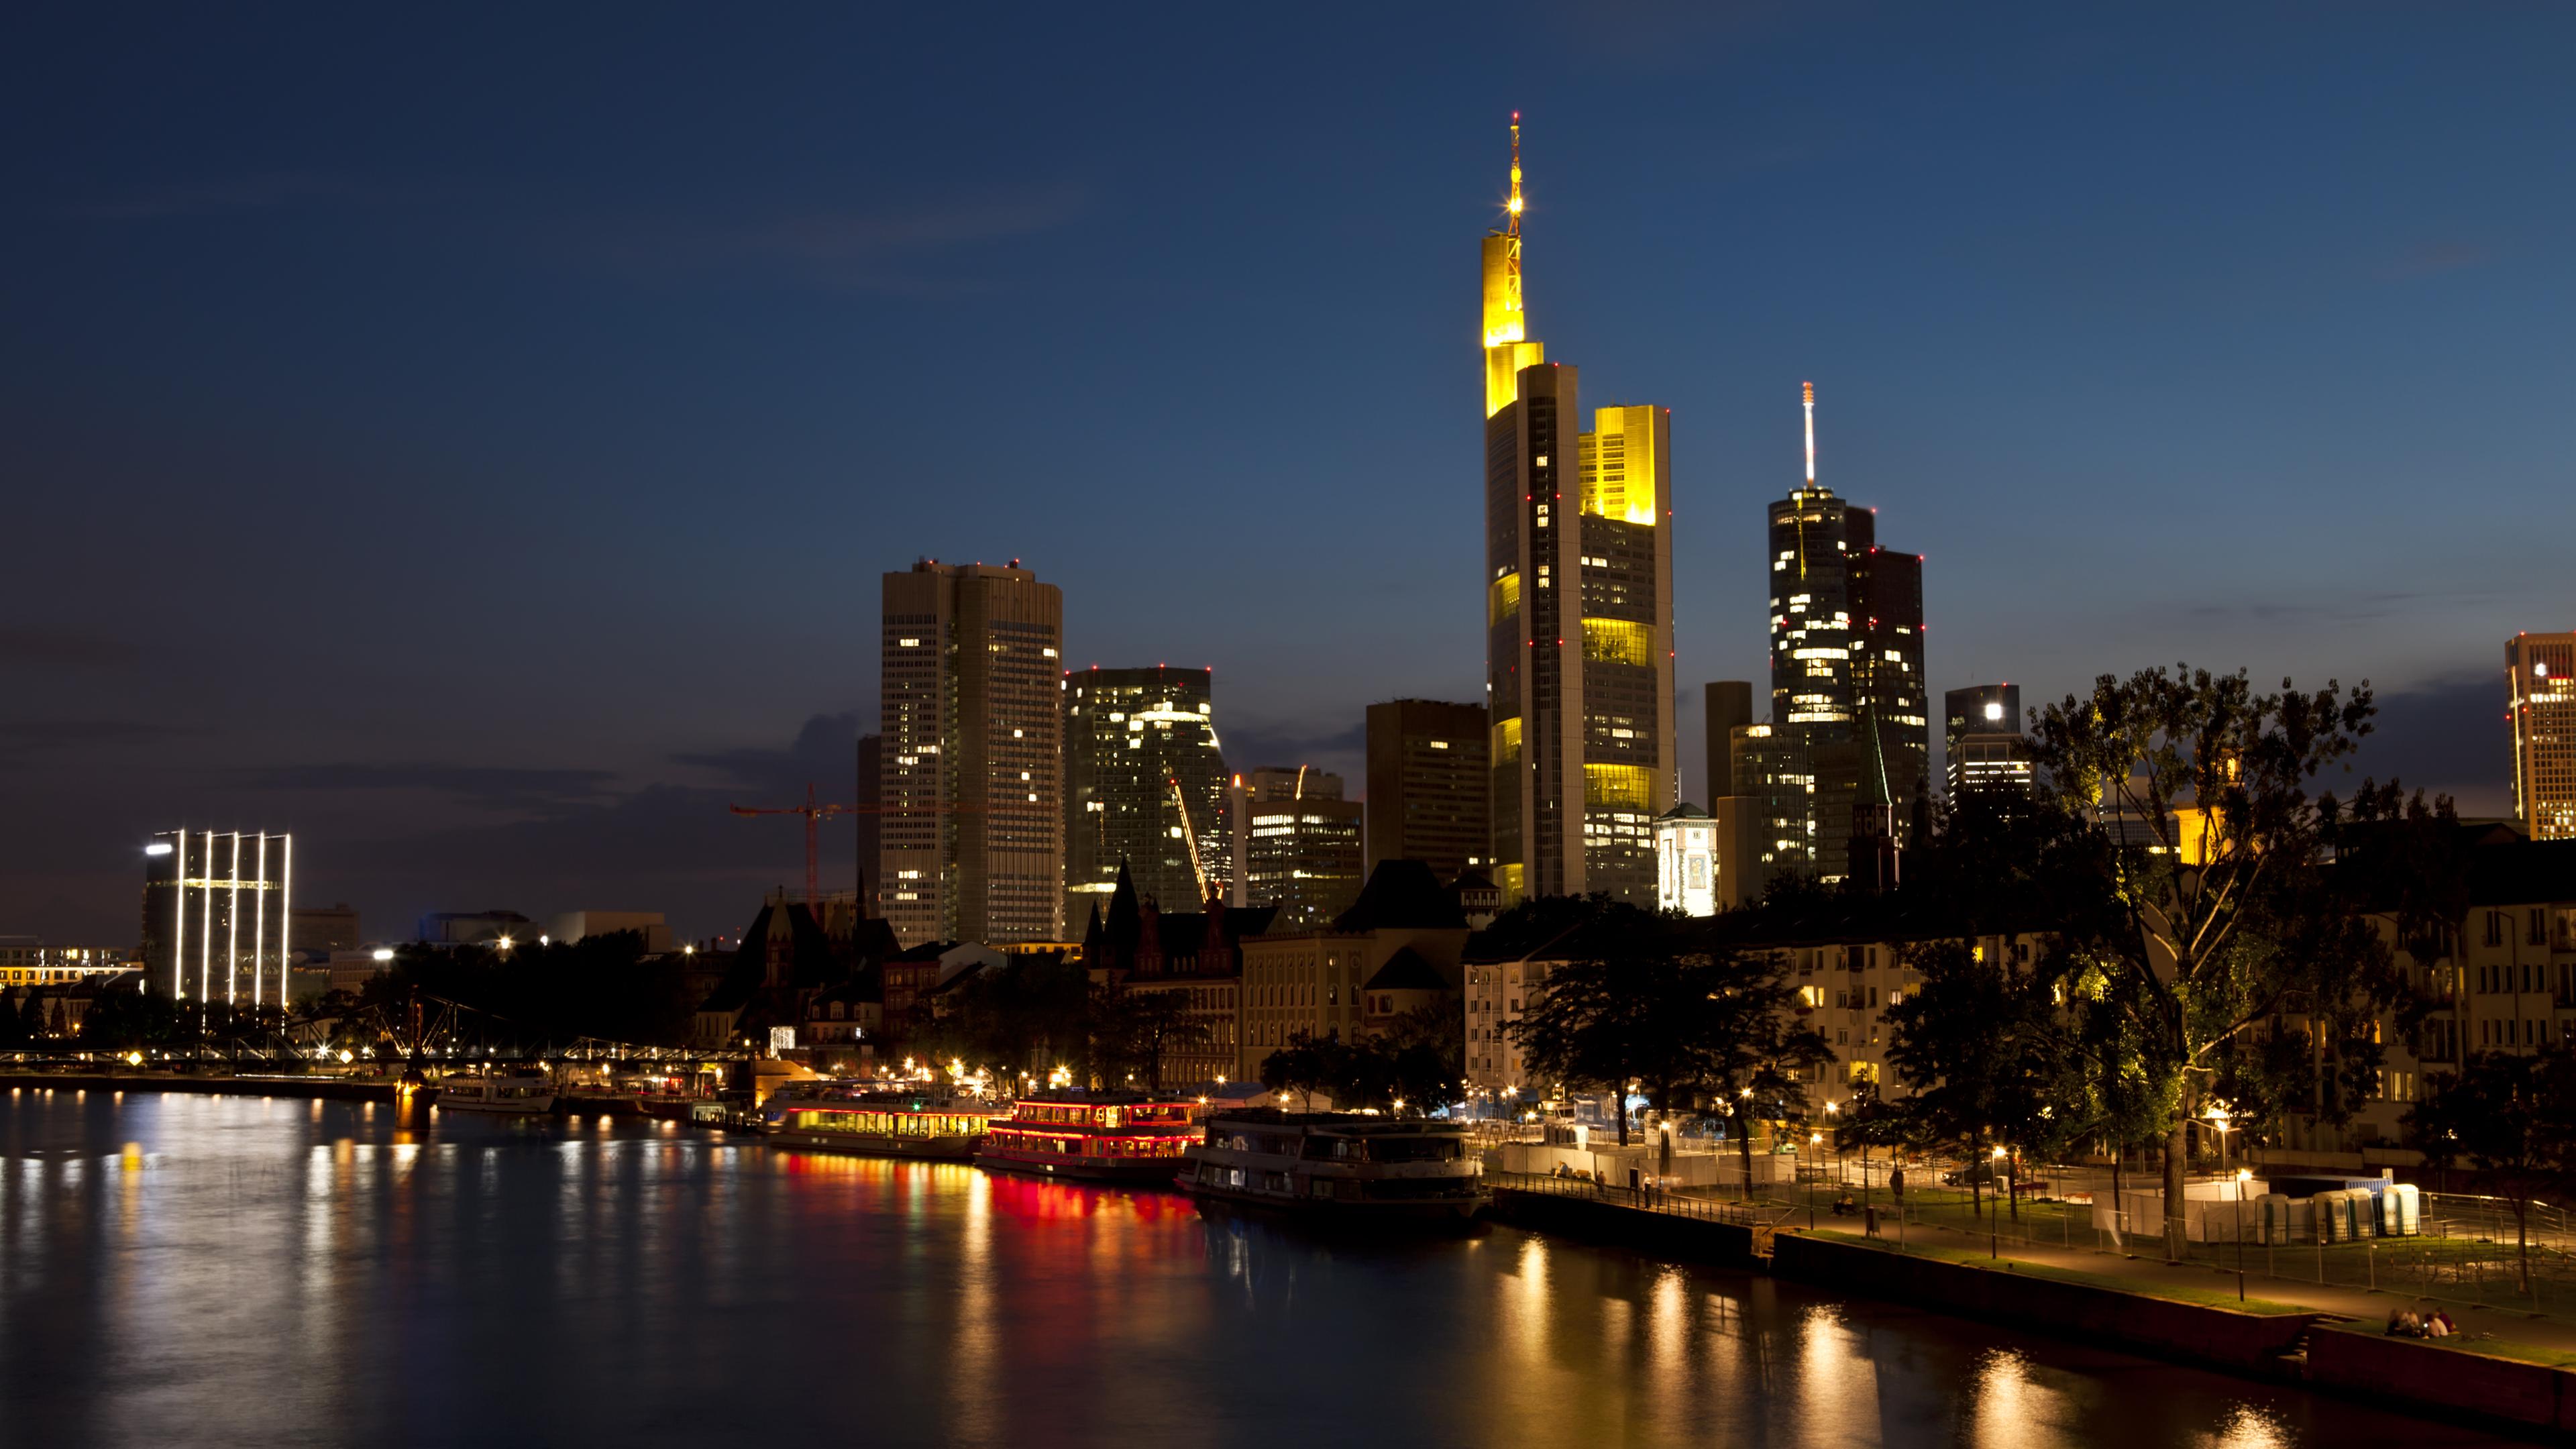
1341,1165
875,1119
1091,1137
527,1092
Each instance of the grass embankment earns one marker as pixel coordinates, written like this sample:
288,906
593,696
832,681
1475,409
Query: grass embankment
2474,1343
2140,1287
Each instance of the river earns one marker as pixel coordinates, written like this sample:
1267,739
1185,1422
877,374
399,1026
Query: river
184,1271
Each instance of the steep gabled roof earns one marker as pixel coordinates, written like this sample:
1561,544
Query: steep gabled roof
1402,895
1406,971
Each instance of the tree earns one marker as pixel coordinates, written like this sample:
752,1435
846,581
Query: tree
1984,1049
2511,1116
14,1030
1133,1031
1412,1068
2197,885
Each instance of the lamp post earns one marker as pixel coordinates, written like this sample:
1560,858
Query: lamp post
2242,1174
1994,1224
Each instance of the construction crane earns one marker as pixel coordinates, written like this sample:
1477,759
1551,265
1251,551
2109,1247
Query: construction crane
1197,868
813,814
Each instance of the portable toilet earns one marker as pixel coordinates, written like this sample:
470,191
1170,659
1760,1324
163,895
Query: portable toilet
2334,1216
2354,1214
2275,1208
2401,1210
2365,1212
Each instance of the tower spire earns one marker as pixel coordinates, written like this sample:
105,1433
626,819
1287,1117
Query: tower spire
1512,228
1811,435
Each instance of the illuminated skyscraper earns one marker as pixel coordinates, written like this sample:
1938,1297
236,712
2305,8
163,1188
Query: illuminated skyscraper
1846,647
972,844
217,912
1982,746
2540,672
1578,609
1298,843
1144,786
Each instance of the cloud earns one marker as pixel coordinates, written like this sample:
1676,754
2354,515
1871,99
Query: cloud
824,754
895,248
2357,606
1259,744
2435,258
24,737
227,197
64,649
2448,735
492,787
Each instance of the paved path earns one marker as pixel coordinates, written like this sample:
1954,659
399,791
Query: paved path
2151,1273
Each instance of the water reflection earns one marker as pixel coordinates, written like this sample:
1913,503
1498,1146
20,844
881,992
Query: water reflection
234,1271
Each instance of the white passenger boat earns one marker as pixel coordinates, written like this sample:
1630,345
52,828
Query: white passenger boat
526,1093
1339,1165
876,1120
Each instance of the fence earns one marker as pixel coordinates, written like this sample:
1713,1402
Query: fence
1703,1206
2467,1251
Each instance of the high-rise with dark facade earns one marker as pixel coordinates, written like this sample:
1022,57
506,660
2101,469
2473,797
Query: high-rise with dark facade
1144,787
2540,676
1727,704
1298,842
1430,787
1578,611
1846,657
1981,741
971,718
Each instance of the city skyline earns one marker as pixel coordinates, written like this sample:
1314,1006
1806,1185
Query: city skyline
546,708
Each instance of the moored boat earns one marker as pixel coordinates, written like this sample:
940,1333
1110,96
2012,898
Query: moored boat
1127,1137
1339,1165
876,1120
524,1093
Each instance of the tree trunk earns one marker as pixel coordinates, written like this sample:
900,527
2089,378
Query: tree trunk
1619,1106
1976,1159
2119,1156
1744,1146
2522,1237
2012,1184
2177,1156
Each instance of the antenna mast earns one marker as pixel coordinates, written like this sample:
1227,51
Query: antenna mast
1811,435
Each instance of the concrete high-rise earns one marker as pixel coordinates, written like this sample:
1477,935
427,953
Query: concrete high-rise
1144,787
2540,675
1578,611
1430,786
970,790
1846,657
1298,844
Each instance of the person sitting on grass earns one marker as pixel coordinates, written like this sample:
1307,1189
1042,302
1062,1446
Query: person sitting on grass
2440,1324
1844,1206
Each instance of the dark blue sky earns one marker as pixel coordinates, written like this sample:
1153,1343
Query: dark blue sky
472,440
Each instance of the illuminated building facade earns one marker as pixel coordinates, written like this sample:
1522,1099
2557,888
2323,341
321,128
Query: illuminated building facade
1430,786
1144,786
1686,864
2540,673
1769,770
971,843
217,913
1578,610
1298,842
1846,654
1982,746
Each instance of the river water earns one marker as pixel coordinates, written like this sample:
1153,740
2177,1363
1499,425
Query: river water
182,1271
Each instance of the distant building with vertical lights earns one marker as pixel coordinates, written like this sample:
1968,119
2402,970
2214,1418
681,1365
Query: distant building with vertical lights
1144,787
970,792
218,912
1297,842
1430,786
1846,657
2540,675
1578,611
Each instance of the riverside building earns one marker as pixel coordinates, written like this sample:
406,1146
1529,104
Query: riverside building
971,715
217,914
1144,787
1578,610
2540,674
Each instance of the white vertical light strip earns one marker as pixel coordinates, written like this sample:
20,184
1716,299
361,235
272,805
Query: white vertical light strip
259,927
285,911
206,925
232,929
179,910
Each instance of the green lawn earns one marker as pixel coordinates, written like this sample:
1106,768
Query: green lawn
2142,1287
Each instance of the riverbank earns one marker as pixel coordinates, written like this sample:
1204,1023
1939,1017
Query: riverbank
2511,1372
332,1089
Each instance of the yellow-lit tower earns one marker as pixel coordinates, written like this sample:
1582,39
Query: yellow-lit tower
1578,610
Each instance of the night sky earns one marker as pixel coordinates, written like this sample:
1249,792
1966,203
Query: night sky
472,440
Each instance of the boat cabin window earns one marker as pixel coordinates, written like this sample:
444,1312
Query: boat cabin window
1413,1149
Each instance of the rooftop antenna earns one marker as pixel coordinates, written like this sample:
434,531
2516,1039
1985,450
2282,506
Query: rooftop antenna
1811,434
1512,228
